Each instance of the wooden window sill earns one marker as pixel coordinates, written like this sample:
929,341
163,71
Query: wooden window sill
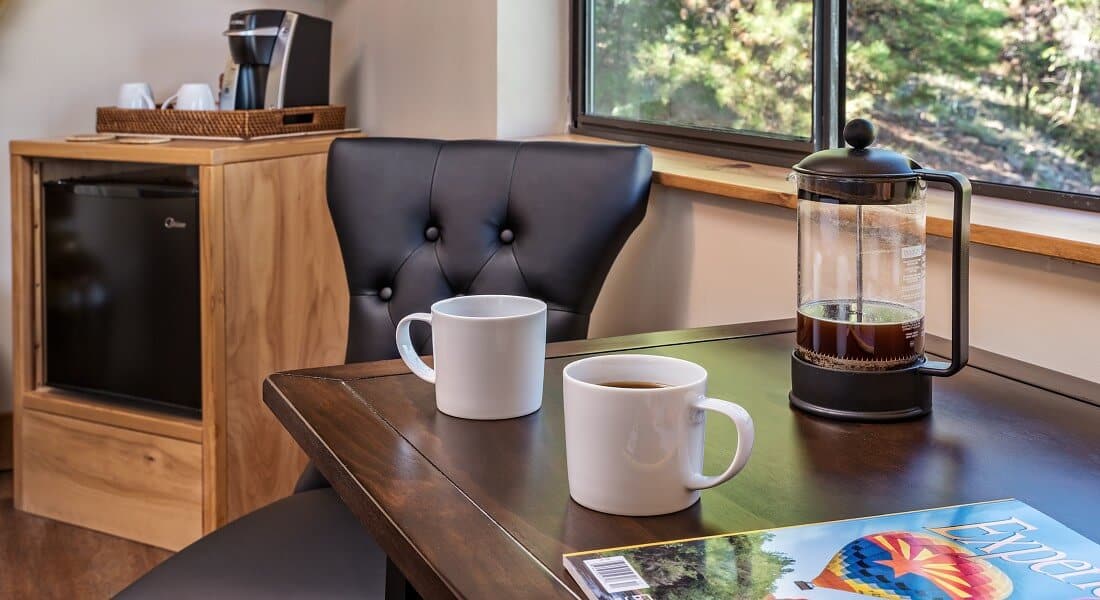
1034,228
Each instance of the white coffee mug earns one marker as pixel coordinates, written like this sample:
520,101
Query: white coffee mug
488,354
192,96
135,95
638,451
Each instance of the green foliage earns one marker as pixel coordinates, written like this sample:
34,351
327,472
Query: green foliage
1004,90
712,63
889,44
736,568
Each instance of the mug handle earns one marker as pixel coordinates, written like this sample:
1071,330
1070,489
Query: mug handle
745,435
147,100
406,350
170,100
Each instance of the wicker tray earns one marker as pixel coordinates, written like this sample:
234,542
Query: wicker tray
237,124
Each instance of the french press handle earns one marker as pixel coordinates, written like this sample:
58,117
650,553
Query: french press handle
960,274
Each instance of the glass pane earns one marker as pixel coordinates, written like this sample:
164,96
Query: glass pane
1006,91
742,65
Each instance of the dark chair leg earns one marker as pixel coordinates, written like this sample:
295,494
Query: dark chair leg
397,587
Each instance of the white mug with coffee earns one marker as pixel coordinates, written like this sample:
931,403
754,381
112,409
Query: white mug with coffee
192,96
135,95
634,430
488,355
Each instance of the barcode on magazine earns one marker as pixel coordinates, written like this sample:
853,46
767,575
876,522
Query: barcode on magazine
615,574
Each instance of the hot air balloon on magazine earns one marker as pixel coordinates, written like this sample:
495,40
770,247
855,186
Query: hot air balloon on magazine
903,565
1003,550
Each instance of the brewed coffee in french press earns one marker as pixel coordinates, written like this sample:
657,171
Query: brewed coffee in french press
861,282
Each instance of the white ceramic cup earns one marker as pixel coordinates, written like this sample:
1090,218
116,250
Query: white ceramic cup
192,96
135,95
488,354
639,452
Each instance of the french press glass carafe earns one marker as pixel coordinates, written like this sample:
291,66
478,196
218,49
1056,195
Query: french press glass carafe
861,275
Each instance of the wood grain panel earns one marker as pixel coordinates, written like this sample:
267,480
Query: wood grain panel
22,302
286,307
105,412
130,484
212,316
803,469
1014,237
178,152
1023,226
376,435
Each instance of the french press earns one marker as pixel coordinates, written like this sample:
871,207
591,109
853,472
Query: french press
861,278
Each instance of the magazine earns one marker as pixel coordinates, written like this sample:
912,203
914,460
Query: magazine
986,551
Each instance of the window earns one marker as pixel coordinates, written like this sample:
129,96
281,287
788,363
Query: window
731,72
708,65
1005,91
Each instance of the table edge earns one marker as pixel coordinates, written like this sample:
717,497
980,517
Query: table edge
1050,380
423,574
634,341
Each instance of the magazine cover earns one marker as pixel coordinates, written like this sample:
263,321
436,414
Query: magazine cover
987,551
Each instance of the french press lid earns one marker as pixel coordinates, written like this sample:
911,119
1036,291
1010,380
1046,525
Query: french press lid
857,174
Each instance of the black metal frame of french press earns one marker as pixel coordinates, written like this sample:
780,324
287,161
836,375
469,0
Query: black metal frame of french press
829,71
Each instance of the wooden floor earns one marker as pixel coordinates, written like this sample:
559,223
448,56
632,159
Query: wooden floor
44,559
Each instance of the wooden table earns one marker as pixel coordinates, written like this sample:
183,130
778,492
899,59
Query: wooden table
477,509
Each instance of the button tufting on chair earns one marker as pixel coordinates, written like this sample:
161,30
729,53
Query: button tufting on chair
576,204
431,234
385,293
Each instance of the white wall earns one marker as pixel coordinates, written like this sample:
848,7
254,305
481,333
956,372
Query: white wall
470,69
423,68
701,260
59,59
532,77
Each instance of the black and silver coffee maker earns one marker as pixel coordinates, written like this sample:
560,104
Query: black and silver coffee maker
278,59
861,269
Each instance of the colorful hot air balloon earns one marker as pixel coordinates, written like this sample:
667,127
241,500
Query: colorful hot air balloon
902,565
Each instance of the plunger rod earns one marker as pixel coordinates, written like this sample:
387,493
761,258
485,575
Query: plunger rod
859,264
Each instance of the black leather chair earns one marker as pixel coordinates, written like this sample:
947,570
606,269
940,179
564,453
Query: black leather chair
419,221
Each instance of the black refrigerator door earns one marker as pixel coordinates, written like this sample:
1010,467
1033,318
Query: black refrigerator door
122,290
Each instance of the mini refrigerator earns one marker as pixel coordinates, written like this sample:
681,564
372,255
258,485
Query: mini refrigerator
121,290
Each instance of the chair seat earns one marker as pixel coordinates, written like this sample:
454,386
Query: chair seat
308,545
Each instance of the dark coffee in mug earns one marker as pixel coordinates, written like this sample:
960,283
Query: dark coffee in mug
869,335
634,385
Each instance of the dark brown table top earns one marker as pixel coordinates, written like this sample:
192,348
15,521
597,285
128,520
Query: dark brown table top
471,508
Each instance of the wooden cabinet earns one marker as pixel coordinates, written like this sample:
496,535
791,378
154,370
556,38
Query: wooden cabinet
273,297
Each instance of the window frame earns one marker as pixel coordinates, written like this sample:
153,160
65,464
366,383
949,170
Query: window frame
829,113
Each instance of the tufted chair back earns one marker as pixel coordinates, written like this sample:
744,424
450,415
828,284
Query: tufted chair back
422,220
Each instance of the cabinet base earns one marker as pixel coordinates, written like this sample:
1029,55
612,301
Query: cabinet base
869,396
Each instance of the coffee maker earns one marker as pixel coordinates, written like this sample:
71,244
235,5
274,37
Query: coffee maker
277,59
861,282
